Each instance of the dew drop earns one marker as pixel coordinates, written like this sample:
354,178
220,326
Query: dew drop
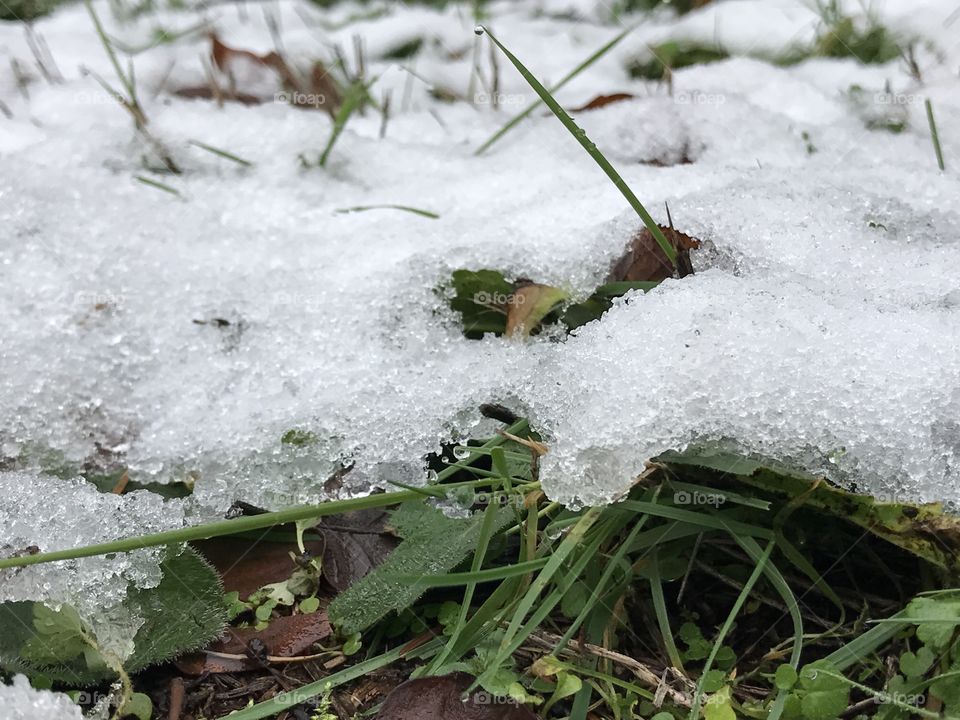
461,453
479,30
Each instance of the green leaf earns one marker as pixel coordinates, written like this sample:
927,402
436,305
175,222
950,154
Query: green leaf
140,706
309,605
719,706
432,542
785,677
182,613
824,696
936,619
480,296
915,665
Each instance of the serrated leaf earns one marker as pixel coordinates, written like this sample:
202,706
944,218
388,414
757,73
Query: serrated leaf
432,544
184,612
936,619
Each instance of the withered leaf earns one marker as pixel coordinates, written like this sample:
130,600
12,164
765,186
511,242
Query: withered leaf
286,636
439,698
644,260
528,305
603,100
354,544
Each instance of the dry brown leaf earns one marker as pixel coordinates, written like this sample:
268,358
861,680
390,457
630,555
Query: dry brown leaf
644,260
315,91
439,698
288,636
528,305
602,101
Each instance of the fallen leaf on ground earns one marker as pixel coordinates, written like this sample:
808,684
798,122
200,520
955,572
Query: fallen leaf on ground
644,260
439,698
528,305
287,636
246,565
354,544
603,100
246,77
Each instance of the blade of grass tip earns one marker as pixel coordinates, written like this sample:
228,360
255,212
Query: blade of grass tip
351,101
222,153
759,568
935,136
158,185
121,76
286,700
483,541
517,119
404,208
591,149
663,618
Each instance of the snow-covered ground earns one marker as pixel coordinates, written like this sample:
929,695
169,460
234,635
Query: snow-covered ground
821,328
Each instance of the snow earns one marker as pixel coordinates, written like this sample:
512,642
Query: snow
821,327
21,702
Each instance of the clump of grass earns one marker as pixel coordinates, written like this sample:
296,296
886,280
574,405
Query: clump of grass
128,99
673,55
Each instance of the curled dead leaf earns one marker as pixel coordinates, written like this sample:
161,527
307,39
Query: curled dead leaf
644,260
602,101
528,305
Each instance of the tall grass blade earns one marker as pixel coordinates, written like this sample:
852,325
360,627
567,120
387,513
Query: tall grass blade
517,119
581,137
934,135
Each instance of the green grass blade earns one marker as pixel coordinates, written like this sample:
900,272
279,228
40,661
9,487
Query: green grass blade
759,568
934,135
751,547
864,644
581,136
222,153
351,102
663,617
716,521
156,184
286,700
517,119
480,576
404,208
483,541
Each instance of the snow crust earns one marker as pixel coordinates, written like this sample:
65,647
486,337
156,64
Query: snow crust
181,337
21,702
